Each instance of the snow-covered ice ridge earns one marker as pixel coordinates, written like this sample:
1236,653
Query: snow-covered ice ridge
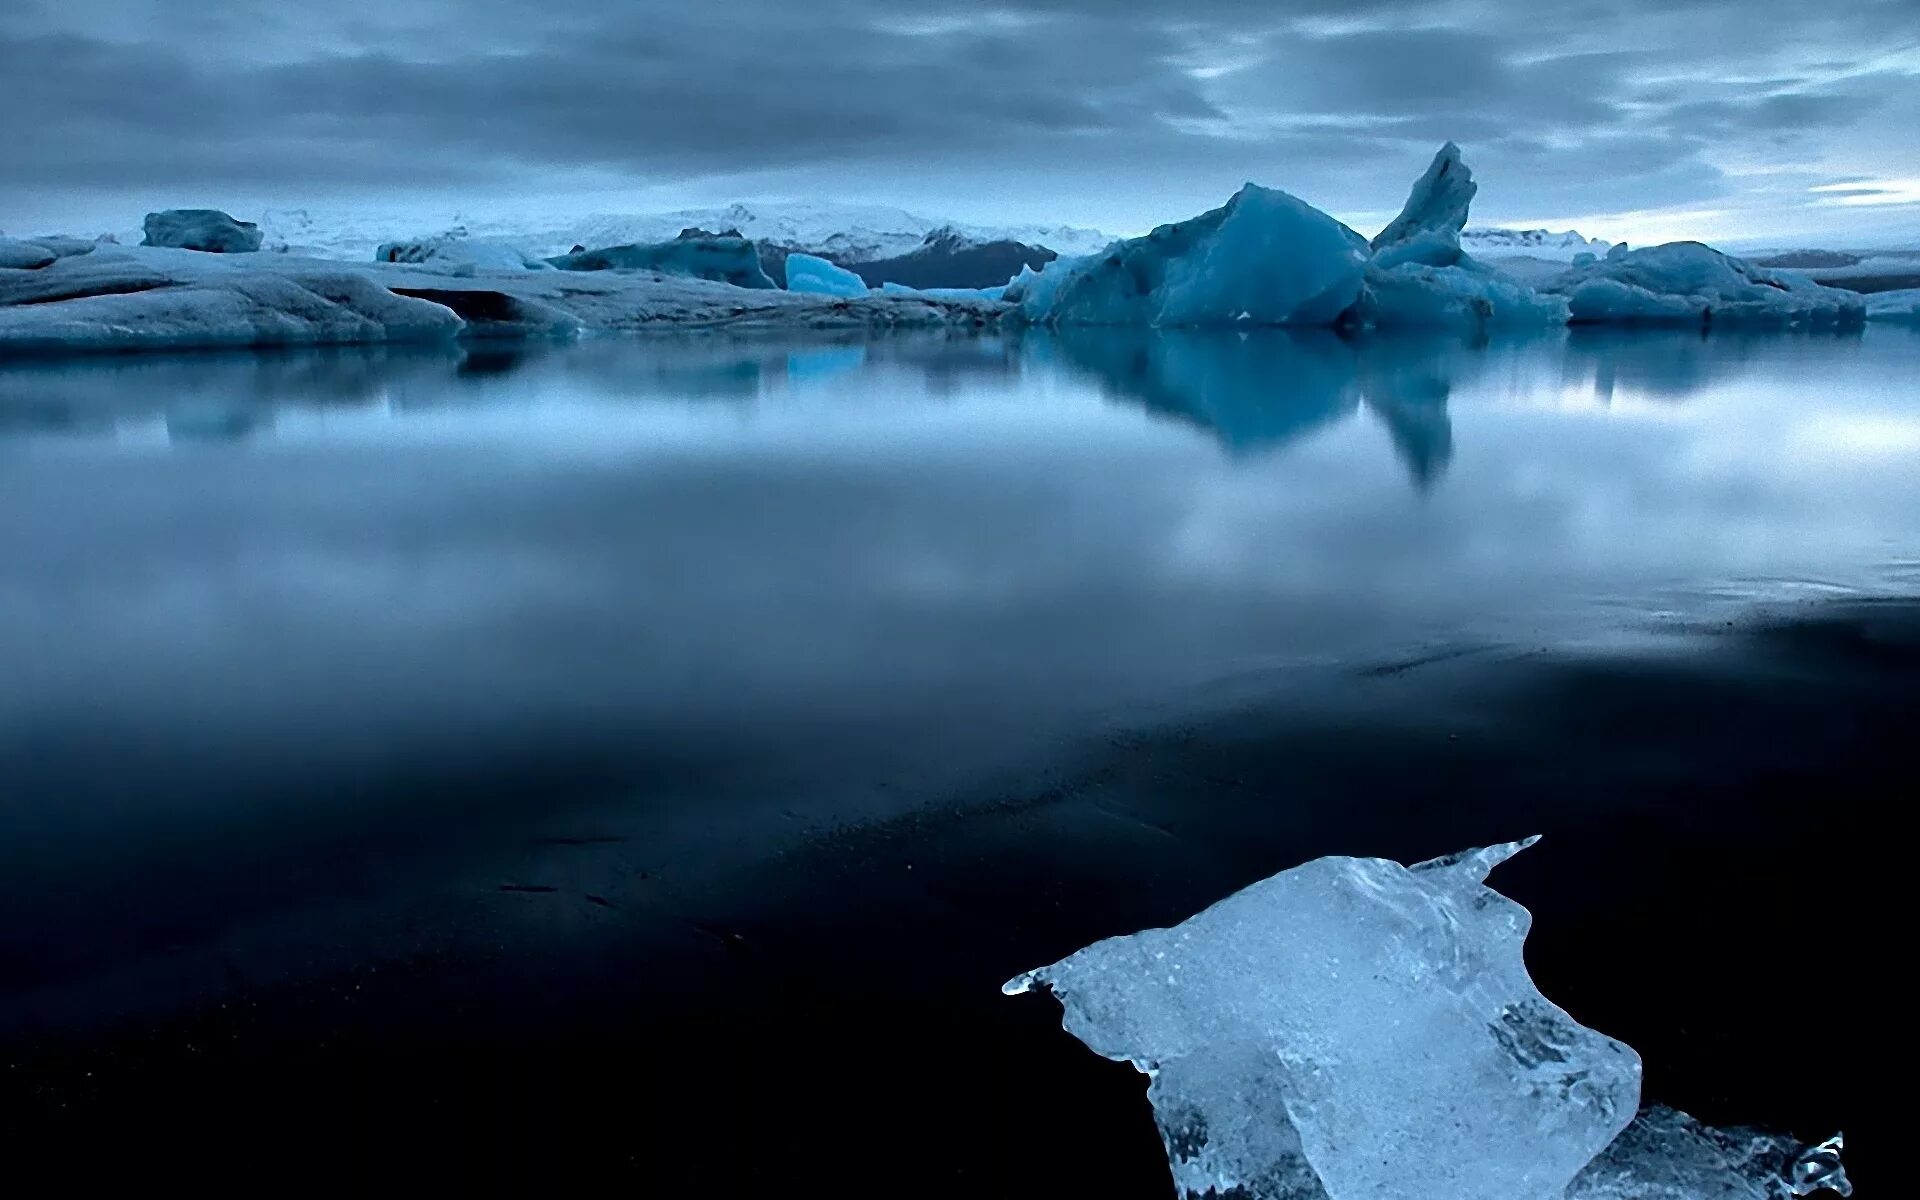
88,297
1355,1029
842,232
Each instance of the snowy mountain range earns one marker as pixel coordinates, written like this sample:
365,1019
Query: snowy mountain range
843,232
1530,243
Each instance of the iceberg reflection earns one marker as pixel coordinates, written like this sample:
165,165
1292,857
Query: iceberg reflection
1259,391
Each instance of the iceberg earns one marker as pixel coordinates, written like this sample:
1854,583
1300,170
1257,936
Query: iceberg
24,256
721,259
1687,283
816,276
1355,1029
1420,278
1437,206
1263,258
204,229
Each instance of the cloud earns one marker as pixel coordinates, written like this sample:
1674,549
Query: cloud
1036,109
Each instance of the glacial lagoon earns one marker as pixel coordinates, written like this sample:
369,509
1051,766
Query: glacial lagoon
641,703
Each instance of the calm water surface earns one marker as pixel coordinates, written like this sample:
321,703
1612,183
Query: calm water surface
291,646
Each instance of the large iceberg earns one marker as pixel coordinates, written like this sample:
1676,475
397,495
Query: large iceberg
816,276
1353,1029
1263,258
1687,283
721,259
204,229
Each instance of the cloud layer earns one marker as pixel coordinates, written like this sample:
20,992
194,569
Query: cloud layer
1720,112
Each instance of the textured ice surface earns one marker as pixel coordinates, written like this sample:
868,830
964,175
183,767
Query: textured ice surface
1263,258
1464,295
135,298
1692,284
732,260
816,276
1667,1155
1354,1029
204,229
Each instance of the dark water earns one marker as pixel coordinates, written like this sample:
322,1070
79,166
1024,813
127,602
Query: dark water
647,759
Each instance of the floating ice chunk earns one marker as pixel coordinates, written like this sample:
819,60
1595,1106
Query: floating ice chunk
1667,1155
813,274
1903,305
24,256
1689,283
1263,258
1354,1029
205,229
721,259
1437,208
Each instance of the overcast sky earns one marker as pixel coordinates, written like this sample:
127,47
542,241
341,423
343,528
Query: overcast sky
1627,118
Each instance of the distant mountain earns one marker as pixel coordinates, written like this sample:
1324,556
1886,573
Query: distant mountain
841,232
949,258
1530,243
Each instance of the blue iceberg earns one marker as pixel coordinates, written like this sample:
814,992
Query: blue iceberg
816,276
1263,258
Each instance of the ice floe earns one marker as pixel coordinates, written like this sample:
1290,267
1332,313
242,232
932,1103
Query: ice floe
1355,1029
815,275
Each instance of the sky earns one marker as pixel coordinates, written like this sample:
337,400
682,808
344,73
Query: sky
1783,120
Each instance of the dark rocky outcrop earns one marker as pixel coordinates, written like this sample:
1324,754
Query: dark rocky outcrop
722,259
948,259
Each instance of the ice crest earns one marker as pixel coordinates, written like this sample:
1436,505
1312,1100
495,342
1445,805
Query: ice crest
1357,1030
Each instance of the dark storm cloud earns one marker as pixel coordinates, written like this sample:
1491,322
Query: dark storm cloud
1630,103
